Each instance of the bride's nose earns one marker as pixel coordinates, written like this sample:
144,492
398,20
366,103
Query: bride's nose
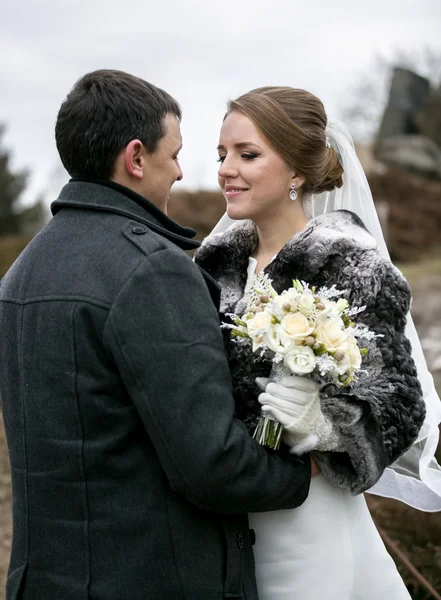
228,170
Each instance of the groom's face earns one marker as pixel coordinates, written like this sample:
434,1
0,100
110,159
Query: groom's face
162,167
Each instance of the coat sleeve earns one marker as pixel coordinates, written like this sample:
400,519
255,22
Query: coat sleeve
163,333
379,417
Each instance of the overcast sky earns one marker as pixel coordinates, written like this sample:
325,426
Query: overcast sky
203,52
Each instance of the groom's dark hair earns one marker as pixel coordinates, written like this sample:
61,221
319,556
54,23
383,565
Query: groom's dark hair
104,112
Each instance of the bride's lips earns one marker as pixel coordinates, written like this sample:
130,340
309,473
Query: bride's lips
232,191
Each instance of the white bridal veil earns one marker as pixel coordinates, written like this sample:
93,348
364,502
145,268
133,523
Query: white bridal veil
415,478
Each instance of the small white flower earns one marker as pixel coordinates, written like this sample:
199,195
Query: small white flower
275,307
282,301
343,366
257,327
292,293
331,309
306,303
276,340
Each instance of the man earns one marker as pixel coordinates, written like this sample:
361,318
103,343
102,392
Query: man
131,479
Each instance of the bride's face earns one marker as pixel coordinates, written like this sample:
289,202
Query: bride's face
254,178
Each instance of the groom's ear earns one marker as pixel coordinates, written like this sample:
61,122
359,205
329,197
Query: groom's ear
134,159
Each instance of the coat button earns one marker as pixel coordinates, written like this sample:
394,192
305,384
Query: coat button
252,537
139,230
240,541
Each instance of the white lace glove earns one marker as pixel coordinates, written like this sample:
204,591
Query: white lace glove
295,403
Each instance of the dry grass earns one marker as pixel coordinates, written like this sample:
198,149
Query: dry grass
418,536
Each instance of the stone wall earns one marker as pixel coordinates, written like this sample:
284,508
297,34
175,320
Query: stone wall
413,212
409,135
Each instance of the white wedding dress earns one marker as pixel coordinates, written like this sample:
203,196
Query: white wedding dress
326,549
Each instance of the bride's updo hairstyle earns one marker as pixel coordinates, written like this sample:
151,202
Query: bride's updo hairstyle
293,122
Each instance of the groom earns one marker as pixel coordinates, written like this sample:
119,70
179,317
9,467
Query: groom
131,478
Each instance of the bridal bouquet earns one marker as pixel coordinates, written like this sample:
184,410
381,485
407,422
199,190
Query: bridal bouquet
304,331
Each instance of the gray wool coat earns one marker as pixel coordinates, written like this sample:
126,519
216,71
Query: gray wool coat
131,479
377,418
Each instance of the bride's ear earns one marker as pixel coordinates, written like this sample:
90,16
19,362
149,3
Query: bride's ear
298,181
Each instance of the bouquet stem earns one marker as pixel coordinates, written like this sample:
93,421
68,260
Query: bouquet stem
268,431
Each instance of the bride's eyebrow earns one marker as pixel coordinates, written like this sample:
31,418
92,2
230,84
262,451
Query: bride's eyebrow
240,145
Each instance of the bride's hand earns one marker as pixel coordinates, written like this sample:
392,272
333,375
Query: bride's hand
295,403
290,400
315,469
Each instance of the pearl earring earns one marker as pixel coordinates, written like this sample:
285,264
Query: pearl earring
293,193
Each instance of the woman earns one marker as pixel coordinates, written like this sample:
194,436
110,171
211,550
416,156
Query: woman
276,164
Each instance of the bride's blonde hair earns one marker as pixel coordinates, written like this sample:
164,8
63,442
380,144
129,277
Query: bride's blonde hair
294,122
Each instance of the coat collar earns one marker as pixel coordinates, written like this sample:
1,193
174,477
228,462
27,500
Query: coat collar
225,255
239,241
108,196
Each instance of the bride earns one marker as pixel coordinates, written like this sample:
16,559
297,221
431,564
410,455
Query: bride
286,175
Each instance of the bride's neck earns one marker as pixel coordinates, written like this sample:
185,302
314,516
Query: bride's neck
276,230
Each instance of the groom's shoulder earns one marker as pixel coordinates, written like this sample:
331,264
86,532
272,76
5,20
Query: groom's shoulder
146,241
139,243
141,237
109,235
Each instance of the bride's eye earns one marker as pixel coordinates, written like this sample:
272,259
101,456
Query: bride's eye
249,155
221,159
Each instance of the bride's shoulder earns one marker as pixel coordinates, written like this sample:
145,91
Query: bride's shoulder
340,242
342,225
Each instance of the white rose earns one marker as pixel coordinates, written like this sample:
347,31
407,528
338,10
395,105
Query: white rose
300,360
256,327
296,326
331,334
276,340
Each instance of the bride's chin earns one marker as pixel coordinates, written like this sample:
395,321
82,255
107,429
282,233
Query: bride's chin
236,214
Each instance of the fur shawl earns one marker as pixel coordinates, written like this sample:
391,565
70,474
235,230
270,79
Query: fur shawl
377,418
